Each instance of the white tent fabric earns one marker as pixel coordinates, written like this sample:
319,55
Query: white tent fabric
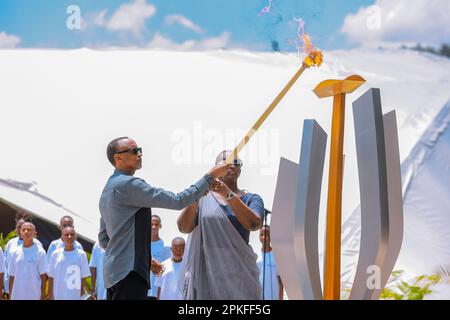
24,196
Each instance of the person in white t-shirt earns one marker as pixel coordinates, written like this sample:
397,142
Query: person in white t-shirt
2,272
67,270
96,265
159,252
167,283
27,268
14,243
272,284
66,221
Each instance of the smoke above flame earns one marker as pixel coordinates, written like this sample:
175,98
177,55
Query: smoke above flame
303,42
314,56
266,9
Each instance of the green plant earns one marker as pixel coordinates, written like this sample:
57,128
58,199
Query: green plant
4,241
398,289
88,279
415,290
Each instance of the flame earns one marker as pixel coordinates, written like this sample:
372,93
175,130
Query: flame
314,59
314,56
307,44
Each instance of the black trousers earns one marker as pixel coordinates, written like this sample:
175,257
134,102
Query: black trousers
132,287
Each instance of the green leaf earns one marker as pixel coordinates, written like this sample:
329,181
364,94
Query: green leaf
398,296
416,296
4,240
419,279
403,286
397,273
434,278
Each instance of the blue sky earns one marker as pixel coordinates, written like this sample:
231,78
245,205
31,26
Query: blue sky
42,23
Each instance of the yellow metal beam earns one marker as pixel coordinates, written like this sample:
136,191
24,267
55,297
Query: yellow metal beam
332,268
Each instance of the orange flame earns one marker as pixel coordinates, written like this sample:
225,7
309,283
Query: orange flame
314,59
307,44
314,56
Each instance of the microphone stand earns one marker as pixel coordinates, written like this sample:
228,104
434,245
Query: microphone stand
266,213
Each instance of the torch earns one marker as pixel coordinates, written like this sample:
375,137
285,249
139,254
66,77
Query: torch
314,58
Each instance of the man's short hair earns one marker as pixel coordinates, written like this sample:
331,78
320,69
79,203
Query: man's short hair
66,217
179,240
157,217
68,228
111,149
22,215
30,223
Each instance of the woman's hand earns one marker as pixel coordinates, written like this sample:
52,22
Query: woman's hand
220,188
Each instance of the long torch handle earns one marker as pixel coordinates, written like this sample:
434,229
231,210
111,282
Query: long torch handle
264,116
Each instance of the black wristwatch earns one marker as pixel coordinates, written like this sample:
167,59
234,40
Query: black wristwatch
230,196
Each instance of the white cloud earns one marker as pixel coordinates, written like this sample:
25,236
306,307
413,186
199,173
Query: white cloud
131,17
424,21
99,18
161,42
8,41
183,21
214,42
94,19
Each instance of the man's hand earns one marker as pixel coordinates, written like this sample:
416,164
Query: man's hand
156,267
219,170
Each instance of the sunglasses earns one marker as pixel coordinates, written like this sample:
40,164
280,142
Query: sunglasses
236,162
132,150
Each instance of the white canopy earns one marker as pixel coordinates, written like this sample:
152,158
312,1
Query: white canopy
25,197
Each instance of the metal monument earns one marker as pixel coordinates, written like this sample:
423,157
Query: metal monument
297,200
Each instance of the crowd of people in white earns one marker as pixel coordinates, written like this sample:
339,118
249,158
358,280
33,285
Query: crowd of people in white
28,272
